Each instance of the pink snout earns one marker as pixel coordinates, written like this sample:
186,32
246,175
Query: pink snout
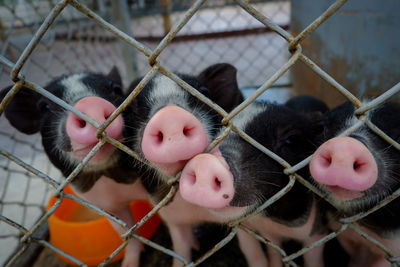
171,137
207,181
83,134
344,163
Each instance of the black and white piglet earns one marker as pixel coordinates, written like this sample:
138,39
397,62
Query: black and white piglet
174,127
236,178
108,180
358,171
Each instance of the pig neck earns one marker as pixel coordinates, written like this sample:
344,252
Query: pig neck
121,173
278,232
155,187
385,221
293,209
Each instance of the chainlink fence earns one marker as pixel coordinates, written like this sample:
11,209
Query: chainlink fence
44,39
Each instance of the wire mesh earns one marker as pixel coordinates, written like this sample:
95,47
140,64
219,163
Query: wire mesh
65,27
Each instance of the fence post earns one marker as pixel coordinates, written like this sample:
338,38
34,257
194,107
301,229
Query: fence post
121,19
166,11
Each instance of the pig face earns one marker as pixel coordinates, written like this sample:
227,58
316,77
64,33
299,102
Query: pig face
251,176
174,125
66,138
358,171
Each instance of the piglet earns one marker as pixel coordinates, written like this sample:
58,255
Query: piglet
108,180
236,178
356,172
174,127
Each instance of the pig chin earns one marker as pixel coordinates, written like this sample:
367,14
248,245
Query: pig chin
103,158
342,194
343,199
230,213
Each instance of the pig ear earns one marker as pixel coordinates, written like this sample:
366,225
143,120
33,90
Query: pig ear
22,111
316,119
220,79
115,76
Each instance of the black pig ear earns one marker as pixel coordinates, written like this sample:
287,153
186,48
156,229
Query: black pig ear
115,76
316,119
116,83
220,79
22,111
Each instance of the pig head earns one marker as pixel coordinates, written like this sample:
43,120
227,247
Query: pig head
66,138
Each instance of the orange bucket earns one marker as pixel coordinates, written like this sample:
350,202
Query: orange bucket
89,237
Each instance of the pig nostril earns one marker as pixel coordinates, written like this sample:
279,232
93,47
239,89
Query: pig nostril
81,123
357,165
192,178
186,131
327,160
160,137
217,184
226,196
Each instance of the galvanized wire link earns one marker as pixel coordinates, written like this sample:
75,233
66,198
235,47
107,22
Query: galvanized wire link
29,168
13,224
262,239
108,26
316,23
267,203
44,218
60,102
79,167
7,62
128,100
95,209
330,80
382,134
175,29
371,239
315,244
264,20
36,38
17,255
60,252
378,100
264,87
217,247
13,27
363,214
76,27
162,203
14,90
192,91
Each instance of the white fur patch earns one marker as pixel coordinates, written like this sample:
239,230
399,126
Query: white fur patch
75,88
247,115
168,88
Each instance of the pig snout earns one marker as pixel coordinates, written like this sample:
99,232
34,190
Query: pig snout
344,163
171,137
207,181
83,134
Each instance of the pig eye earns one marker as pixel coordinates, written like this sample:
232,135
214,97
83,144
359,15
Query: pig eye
291,141
44,107
116,87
